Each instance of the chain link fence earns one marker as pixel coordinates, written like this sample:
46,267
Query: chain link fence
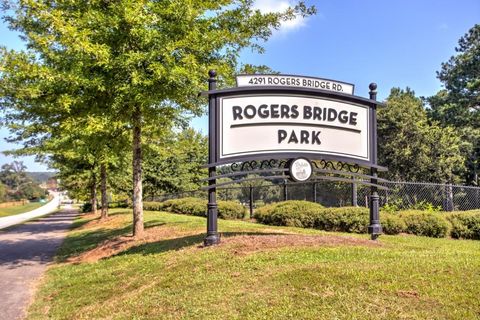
401,195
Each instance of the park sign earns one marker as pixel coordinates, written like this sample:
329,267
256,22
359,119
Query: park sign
291,128
262,124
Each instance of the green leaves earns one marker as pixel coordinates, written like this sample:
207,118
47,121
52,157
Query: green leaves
411,147
459,104
96,70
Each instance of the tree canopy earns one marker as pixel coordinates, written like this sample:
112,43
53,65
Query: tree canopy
139,64
411,147
458,105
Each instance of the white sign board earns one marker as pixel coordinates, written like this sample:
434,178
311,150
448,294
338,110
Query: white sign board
278,123
252,80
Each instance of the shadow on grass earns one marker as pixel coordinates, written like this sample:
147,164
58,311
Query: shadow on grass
78,243
183,242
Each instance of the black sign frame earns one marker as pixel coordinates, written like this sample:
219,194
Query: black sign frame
214,97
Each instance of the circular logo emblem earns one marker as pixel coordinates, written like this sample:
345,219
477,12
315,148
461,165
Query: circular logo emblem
300,169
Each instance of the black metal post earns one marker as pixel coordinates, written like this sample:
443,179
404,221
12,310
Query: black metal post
354,193
285,191
315,192
374,229
212,208
251,201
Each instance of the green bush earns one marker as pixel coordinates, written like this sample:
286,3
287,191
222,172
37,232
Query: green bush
197,207
190,206
312,215
346,219
230,210
152,206
118,204
293,213
306,214
423,223
87,207
465,224
392,224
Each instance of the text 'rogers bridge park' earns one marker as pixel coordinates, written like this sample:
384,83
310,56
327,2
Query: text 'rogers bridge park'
279,122
283,111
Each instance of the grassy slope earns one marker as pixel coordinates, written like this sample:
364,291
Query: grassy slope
10,211
405,278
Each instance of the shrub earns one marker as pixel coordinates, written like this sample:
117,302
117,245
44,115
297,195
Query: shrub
293,213
312,215
118,204
230,210
263,214
152,206
190,206
465,224
426,206
87,207
423,223
197,207
347,219
392,224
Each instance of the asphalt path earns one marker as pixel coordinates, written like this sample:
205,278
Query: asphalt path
25,252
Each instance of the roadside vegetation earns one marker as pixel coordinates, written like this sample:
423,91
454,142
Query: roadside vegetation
305,214
16,184
10,211
257,272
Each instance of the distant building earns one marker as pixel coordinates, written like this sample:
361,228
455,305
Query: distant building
52,184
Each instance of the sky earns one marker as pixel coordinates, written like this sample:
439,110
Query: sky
394,43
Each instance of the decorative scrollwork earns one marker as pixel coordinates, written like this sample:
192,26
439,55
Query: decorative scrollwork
273,164
337,165
235,166
249,165
253,165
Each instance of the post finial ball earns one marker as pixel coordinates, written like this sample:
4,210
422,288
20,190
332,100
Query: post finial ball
372,86
212,73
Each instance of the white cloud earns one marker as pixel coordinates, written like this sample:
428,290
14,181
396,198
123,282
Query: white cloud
277,6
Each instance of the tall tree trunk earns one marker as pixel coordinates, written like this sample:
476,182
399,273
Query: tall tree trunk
103,177
137,173
93,193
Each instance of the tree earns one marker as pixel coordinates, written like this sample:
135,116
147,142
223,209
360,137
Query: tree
3,192
458,105
13,175
175,163
411,147
17,184
143,62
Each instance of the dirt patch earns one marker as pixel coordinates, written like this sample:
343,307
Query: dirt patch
408,294
253,243
119,244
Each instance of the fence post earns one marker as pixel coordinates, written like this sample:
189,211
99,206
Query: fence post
354,193
315,192
251,201
285,194
450,205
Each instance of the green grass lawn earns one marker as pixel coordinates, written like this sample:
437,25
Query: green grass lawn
258,272
19,209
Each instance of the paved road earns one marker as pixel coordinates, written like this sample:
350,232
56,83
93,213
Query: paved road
22,217
25,251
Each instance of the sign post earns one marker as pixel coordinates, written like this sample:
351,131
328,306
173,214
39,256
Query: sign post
374,229
212,208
